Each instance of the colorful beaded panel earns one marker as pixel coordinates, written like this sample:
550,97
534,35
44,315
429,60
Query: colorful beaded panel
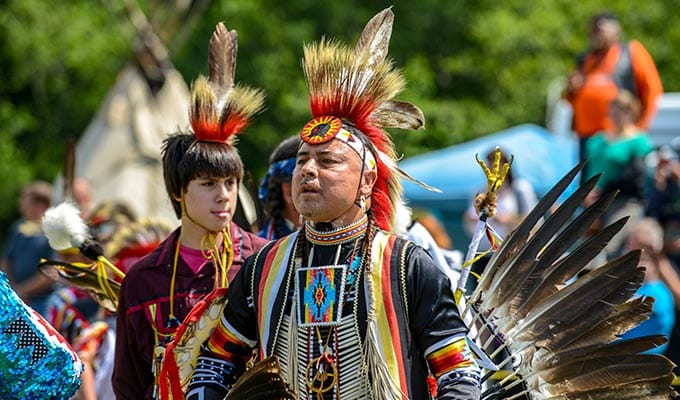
320,290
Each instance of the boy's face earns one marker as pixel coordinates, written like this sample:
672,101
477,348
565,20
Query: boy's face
210,202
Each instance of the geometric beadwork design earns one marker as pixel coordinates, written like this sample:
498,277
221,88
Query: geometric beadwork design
320,293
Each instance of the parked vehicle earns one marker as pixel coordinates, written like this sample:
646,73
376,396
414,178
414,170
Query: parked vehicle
666,125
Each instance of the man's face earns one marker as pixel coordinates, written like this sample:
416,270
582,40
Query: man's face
603,34
31,208
325,182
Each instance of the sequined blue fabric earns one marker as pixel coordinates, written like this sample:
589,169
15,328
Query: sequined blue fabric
35,361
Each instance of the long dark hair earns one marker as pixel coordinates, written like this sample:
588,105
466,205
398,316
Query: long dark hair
272,199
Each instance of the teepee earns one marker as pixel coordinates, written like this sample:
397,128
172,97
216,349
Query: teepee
119,152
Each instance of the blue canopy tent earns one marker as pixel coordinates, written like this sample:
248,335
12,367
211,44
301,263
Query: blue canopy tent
541,157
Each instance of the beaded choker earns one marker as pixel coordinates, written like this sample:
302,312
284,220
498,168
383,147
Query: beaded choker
336,236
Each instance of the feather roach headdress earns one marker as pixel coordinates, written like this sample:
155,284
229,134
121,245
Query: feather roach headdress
356,88
219,108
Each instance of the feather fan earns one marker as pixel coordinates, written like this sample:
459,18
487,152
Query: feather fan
263,381
557,332
104,290
65,229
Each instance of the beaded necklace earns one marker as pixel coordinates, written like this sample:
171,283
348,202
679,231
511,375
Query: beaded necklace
222,260
336,236
321,373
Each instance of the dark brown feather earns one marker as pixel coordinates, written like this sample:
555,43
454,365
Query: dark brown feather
514,243
580,331
655,389
621,347
606,372
560,336
524,263
550,274
569,266
222,62
399,114
618,321
570,302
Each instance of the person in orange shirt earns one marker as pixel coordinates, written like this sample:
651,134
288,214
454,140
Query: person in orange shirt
610,65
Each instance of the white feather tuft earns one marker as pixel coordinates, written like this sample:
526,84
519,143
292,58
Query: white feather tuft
403,216
64,227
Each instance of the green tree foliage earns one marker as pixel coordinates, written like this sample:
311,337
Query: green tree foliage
58,60
474,67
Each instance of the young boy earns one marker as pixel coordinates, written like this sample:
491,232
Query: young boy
202,171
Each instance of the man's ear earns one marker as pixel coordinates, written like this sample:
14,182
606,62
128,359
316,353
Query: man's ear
368,181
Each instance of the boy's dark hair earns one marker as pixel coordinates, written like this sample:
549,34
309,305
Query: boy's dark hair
185,159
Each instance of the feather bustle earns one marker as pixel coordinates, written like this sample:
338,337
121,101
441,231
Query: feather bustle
525,262
559,331
517,238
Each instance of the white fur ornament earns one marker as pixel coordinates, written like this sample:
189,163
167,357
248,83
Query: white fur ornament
64,227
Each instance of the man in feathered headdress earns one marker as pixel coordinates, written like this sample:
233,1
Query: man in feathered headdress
349,309
202,172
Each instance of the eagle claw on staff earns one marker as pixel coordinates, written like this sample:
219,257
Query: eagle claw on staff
486,203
